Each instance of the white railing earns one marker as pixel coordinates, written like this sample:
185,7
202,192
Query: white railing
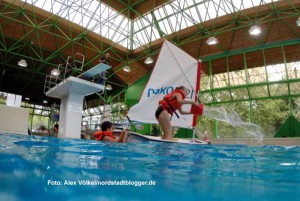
74,64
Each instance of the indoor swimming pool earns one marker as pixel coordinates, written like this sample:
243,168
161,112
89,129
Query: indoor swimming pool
44,168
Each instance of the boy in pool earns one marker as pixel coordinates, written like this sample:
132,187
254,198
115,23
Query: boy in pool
106,133
54,132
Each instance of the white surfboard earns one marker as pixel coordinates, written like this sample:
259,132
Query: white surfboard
136,137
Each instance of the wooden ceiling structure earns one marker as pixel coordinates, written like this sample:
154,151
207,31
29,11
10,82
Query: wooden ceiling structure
45,40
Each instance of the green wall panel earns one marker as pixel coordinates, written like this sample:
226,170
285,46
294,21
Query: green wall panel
184,133
290,128
134,91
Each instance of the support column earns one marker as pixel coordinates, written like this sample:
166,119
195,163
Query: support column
71,112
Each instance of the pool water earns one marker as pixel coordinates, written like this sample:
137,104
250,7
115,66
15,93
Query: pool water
41,168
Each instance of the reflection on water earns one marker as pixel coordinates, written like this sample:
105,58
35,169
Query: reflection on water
32,166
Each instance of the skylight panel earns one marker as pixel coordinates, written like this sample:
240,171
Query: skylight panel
159,14
92,25
168,9
171,17
180,14
193,12
136,25
125,42
165,27
85,12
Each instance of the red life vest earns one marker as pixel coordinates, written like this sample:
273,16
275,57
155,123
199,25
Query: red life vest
101,134
170,104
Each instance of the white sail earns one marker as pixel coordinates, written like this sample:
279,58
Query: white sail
173,68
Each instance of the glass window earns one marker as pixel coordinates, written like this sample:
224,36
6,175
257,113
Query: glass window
257,75
258,91
206,97
37,111
239,94
278,89
45,113
295,88
223,95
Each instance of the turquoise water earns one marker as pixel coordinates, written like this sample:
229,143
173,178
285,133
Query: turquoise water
40,168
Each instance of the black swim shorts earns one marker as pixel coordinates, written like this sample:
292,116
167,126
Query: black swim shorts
158,111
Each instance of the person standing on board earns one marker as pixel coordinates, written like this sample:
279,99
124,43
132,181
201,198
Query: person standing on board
105,60
168,105
106,133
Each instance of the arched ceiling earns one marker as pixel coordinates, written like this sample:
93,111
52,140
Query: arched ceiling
45,39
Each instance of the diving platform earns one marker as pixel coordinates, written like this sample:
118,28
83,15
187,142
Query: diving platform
94,71
74,85
72,91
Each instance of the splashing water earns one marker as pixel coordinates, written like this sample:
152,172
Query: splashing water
234,120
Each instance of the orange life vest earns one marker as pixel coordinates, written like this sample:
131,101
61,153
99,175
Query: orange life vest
171,104
101,134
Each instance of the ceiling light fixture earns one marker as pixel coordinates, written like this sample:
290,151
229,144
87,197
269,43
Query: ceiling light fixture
254,30
127,69
298,22
212,41
27,98
108,87
45,101
22,63
55,72
149,60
